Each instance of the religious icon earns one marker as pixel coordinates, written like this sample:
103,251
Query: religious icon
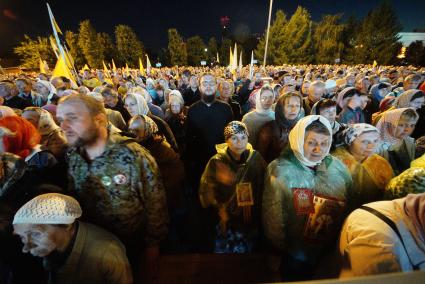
244,194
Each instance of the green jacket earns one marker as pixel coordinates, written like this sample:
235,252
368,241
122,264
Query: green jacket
121,190
97,256
296,201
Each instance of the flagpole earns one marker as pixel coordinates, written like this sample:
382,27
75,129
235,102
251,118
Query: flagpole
267,35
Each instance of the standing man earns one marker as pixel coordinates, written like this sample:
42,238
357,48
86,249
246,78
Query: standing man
205,124
116,180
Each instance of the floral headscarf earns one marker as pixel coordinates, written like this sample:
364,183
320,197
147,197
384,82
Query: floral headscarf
405,98
388,124
355,130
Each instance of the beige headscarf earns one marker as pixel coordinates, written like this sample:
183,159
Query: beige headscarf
297,137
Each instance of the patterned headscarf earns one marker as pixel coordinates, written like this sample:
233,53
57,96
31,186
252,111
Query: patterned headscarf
388,124
297,137
355,130
411,180
405,98
49,86
234,127
150,126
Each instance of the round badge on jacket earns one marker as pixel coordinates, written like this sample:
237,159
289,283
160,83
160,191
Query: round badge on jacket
120,179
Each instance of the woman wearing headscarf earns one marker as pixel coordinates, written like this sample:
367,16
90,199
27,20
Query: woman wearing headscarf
397,147
226,90
273,136
262,114
378,93
52,138
154,109
171,167
369,171
175,116
136,105
307,192
47,92
350,102
232,184
384,237
327,109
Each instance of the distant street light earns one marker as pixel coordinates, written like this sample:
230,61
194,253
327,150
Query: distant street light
206,49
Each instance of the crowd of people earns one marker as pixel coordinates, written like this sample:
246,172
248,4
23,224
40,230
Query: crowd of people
321,168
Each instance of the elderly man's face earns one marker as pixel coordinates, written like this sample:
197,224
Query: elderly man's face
78,125
23,87
40,239
4,91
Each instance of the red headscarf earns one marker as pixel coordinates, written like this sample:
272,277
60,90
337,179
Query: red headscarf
25,137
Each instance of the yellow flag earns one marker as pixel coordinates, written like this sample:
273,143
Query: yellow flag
114,68
86,67
127,70
62,70
375,63
42,67
142,69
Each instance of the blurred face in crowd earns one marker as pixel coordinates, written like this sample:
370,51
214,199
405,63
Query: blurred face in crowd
31,116
365,145
185,79
193,83
316,146
315,93
131,106
57,82
364,101
305,86
100,75
208,85
404,127
4,90
175,107
329,113
354,101
226,90
237,143
41,239
383,92
410,84
292,107
41,89
257,78
266,99
23,87
110,100
417,103
77,123
138,127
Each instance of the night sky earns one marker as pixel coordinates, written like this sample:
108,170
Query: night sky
151,19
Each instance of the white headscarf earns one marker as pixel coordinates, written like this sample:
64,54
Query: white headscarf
142,106
297,137
258,107
49,86
46,123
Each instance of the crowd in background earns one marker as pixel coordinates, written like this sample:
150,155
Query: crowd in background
321,167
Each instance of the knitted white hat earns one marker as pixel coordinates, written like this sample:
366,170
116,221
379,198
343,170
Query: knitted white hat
50,208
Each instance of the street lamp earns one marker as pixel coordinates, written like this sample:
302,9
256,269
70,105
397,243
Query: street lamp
206,49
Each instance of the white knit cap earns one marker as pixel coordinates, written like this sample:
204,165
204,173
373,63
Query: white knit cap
50,208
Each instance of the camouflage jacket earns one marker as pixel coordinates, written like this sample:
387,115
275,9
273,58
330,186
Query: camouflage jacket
121,190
